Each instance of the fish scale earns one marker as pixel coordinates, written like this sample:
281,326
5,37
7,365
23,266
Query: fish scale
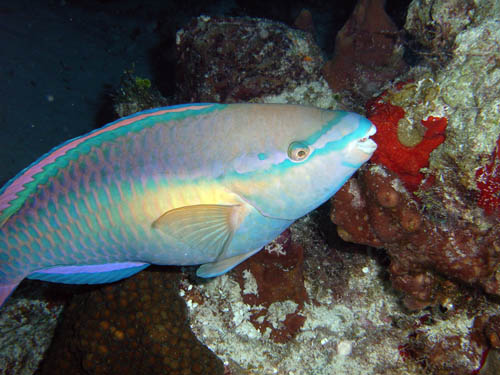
206,184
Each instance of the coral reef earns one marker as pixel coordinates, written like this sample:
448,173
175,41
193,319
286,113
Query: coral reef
466,90
138,326
226,59
438,130
368,52
375,209
427,218
346,314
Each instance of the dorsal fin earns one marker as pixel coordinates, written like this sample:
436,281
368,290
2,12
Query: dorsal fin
20,187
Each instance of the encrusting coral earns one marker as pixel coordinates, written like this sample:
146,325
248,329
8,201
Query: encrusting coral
405,139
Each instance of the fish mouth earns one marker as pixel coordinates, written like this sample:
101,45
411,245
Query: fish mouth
366,144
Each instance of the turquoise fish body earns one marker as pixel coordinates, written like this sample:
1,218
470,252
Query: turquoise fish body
206,184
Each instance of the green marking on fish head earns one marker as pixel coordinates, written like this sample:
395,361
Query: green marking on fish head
314,157
262,156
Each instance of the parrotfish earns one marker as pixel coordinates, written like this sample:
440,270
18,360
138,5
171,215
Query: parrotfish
192,184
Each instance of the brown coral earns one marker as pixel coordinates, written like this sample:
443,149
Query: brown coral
368,52
138,326
304,21
376,210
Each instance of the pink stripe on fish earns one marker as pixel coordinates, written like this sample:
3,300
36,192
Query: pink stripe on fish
18,184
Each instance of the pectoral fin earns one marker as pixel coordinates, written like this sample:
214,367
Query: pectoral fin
207,228
222,266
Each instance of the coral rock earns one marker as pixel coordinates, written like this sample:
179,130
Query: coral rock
375,209
228,59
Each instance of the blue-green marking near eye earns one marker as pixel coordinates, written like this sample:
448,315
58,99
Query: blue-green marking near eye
262,156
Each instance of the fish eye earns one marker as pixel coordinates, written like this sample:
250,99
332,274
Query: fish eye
298,151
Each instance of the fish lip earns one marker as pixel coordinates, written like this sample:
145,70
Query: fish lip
366,144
